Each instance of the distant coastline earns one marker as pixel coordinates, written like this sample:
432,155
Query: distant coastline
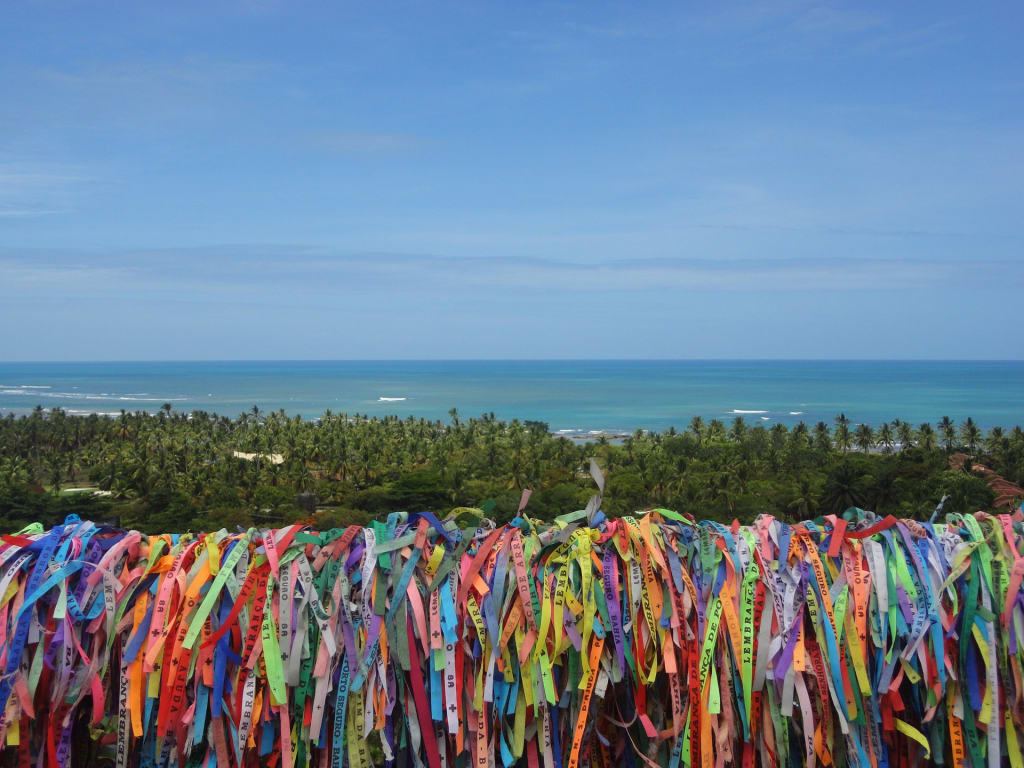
577,398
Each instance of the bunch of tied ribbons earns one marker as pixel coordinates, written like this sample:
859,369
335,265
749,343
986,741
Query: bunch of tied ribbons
645,641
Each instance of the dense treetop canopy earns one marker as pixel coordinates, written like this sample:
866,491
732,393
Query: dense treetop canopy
173,471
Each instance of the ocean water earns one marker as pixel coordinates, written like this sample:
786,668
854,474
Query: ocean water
573,397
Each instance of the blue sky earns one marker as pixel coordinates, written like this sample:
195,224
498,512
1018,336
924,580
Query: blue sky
462,180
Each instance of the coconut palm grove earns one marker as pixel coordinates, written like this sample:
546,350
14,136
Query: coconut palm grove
175,471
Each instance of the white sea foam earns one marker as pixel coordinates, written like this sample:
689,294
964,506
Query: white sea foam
565,431
795,413
36,392
390,399
766,418
740,410
154,399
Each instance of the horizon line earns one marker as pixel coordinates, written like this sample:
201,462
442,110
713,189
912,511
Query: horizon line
533,360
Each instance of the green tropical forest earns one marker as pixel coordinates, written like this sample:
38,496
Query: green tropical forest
174,471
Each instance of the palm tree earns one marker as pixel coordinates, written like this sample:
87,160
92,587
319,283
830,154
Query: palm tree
842,489
800,437
842,436
738,430
885,437
55,471
122,425
71,465
14,471
885,491
948,431
995,442
697,428
805,504
926,437
864,437
970,435
723,489
906,434
822,438
777,435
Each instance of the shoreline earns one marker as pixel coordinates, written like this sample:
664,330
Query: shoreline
575,435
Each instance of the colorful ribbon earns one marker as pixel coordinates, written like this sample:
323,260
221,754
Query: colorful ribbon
647,641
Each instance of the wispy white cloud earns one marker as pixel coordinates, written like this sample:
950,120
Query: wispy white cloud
190,69
355,142
247,273
796,28
614,31
125,97
912,41
785,17
29,190
824,18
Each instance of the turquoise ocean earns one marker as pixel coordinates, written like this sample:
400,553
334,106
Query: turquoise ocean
573,397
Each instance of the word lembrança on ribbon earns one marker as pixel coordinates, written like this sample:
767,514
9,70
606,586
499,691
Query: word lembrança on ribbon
653,641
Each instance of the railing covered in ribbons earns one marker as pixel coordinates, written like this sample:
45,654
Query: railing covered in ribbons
646,641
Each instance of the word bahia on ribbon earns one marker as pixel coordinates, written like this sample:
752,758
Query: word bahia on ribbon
652,641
